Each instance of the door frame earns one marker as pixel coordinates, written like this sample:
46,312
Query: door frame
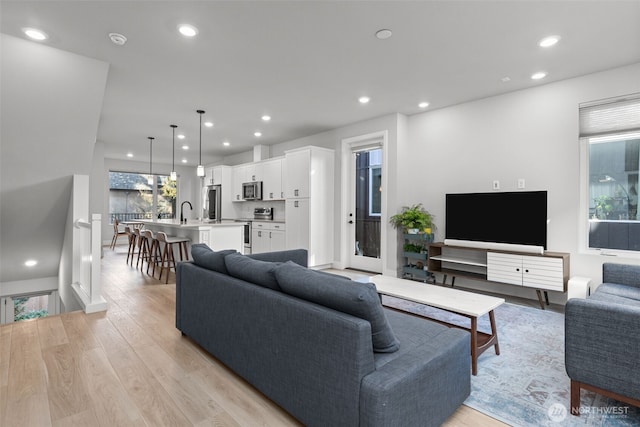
348,146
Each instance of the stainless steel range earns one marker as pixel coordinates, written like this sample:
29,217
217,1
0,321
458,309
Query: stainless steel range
259,214
263,214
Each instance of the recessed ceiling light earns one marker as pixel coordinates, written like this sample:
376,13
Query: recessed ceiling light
208,124
185,147
539,75
423,105
30,262
226,143
257,134
266,118
549,41
118,39
35,34
364,99
505,79
188,30
129,154
184,160
180,136
383,34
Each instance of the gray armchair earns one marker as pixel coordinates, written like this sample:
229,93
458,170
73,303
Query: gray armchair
602,338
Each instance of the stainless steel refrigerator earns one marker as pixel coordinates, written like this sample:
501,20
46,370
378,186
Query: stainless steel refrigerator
212,204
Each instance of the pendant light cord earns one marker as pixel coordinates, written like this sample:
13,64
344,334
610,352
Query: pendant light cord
173,148
151,156
201,112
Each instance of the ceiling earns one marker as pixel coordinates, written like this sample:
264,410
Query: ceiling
306,63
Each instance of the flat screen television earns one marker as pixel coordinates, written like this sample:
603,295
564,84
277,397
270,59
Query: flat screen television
517,218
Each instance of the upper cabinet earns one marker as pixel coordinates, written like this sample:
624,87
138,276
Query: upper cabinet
267,171
213,175
297,174
306,172
270,172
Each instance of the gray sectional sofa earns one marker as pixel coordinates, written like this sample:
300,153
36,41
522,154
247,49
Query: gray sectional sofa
602,337
319,345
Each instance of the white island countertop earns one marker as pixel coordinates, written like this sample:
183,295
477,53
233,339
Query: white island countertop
227,234
192,223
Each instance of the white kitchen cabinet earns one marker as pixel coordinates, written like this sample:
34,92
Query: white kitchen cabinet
297,219
308,181
267,237
238,177
270,172
297,174
213,175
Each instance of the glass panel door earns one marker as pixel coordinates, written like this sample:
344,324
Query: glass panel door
366,209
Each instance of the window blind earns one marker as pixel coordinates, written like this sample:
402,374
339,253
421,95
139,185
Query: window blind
609,116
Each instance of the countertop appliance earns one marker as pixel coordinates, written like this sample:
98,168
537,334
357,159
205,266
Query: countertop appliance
252,190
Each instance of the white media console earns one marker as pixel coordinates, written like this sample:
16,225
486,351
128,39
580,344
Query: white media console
514,265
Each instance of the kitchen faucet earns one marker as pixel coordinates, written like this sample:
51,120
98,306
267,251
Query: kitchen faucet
182,219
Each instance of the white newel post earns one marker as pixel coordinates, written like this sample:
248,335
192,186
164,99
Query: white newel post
97,301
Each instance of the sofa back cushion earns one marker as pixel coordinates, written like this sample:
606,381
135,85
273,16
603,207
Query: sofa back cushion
252,270
341,294
207,258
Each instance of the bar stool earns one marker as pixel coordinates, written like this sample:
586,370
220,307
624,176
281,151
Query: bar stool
132,244
116,233
152,252
140,243
167,259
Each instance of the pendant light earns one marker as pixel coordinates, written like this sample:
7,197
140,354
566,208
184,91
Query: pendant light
150,180
173,176
200,168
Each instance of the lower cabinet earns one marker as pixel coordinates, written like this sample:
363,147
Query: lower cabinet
267,237
529,271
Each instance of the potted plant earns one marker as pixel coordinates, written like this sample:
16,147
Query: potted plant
413,219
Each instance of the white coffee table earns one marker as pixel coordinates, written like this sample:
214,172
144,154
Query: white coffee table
456,301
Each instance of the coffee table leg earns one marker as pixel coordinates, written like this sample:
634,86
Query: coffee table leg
494,331
474,345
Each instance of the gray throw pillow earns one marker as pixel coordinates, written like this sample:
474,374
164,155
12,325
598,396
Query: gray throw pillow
348,296
252,270
207,258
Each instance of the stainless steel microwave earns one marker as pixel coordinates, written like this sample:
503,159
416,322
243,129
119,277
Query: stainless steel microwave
252,190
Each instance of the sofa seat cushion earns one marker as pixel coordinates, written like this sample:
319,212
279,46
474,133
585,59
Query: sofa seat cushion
606,297
205,257
341,294
624,291
413,332
252,270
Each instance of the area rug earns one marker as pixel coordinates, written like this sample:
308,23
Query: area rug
526,385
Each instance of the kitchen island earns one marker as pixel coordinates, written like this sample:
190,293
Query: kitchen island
217,235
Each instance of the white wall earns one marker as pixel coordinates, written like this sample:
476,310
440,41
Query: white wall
51,102
530,134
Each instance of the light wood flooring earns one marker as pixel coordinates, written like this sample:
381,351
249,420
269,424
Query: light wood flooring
130,366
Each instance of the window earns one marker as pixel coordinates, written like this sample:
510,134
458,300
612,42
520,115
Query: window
132,197
610,134
375,182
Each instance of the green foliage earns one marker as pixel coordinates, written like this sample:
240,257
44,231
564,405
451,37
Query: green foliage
413,247
414,216
20,313
604,206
